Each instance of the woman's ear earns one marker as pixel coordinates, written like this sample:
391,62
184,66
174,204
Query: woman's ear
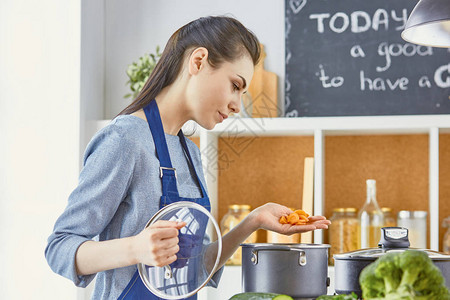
198,60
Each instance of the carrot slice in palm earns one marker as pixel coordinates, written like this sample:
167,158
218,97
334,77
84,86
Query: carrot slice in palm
301,213
298,217
293,218
302,217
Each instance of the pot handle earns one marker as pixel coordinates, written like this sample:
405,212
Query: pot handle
301,257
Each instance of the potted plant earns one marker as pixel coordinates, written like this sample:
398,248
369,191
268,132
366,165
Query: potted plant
138,72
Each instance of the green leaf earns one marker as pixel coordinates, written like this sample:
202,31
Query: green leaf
139,71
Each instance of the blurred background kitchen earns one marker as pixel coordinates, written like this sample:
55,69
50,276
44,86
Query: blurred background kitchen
63,73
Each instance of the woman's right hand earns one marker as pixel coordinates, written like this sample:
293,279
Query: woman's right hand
157,245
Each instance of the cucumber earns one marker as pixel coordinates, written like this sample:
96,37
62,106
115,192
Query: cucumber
283,297
260,296
351,296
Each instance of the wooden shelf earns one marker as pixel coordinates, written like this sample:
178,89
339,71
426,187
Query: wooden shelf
332,125
320,128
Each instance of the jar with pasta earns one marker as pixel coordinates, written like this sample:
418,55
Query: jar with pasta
236,213
344,235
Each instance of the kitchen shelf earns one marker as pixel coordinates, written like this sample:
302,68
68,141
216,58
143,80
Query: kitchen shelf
319,128
333,125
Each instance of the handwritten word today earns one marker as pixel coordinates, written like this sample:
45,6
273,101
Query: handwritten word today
359,21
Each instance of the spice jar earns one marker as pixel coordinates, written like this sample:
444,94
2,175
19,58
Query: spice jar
236,213
344,235
389,220
446,241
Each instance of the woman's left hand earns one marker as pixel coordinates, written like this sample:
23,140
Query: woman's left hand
268,217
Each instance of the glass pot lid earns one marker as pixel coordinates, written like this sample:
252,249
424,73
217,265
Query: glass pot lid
374,253
393,239
197,259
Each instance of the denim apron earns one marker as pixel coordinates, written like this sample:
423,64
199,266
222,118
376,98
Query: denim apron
190,245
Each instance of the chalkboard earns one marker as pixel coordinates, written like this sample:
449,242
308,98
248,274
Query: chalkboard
347,58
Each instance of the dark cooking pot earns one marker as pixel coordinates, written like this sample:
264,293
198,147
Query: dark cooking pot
298,270
349,265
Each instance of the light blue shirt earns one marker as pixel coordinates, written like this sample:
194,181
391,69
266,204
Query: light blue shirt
118,192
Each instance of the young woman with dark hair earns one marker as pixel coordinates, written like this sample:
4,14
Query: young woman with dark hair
206,67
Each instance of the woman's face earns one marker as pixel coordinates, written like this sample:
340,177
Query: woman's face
215,93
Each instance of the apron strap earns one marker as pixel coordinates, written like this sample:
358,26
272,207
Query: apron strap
156,127
183,143
166,171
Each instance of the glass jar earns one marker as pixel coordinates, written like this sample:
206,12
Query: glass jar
236,213
416,222
389,220
446,241
343,232
370,218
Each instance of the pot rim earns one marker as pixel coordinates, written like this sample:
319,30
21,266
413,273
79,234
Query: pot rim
374,253
285,246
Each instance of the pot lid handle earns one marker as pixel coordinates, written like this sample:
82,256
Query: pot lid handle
394,237
197,260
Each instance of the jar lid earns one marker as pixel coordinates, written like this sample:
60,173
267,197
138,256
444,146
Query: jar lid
344,209
386,209
239,206
412,214
196,262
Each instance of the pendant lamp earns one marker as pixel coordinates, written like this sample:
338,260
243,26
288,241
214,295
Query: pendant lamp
429,24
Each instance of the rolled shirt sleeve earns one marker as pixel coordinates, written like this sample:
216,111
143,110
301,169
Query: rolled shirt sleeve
103,183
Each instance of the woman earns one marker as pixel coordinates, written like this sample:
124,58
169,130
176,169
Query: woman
129,166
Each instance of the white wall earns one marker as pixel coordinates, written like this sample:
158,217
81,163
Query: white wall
39,139
132,30
62,65
92,66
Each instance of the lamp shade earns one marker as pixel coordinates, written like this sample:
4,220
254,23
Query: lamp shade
429,24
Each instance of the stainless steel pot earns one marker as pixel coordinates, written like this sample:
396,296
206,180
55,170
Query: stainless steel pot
349,265
298,270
